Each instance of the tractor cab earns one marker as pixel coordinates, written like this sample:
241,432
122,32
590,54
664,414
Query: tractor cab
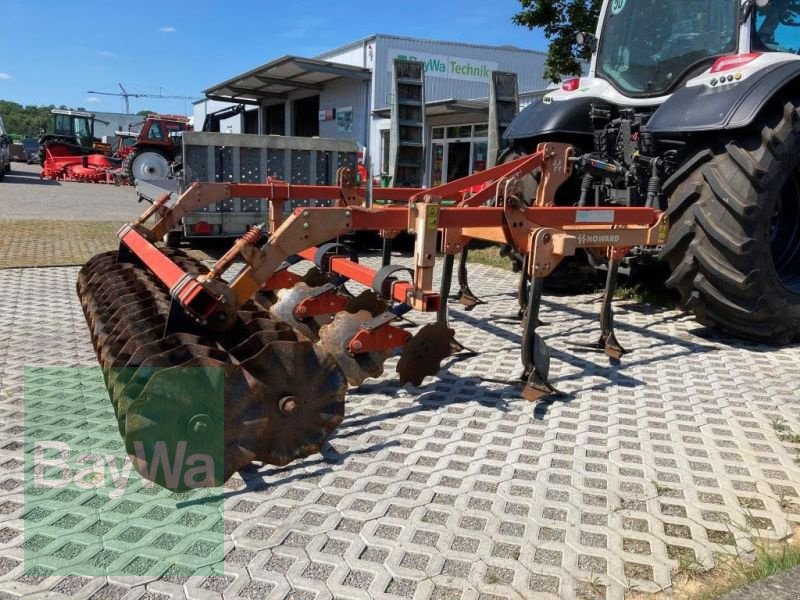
75,125
649,48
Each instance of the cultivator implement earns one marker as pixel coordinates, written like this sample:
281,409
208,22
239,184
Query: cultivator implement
289,345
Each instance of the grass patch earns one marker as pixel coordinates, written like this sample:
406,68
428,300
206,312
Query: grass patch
784,431
691,581
42,243
653,293
490,256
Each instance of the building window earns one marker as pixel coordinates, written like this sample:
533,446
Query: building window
438,133
384,151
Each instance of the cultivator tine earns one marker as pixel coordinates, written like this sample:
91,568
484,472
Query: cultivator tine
608,342
465,295
535,354
608,339
444,294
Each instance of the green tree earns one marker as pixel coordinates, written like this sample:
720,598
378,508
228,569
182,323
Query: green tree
561,21
24,120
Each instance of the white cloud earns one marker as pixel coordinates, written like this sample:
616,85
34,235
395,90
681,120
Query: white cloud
107,54
93,99
168,29
5,76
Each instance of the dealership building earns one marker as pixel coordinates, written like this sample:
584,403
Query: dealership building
346,94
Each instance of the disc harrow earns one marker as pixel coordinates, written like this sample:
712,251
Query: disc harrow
256,368
281,398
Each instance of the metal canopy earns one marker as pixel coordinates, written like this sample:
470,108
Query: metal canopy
278,78
438,108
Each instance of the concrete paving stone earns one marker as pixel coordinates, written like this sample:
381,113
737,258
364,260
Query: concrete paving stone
455,489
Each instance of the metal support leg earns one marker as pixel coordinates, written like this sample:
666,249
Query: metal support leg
608,340
522,289
444,293
535,355
465,295
447,279
386,252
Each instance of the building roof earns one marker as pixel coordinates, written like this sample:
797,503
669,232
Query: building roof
506,47
281,76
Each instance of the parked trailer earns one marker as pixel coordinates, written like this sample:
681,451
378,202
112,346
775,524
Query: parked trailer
245,158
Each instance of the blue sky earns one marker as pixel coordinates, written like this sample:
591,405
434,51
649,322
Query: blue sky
55,52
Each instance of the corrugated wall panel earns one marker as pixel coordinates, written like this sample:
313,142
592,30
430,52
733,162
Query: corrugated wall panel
340,94
528,65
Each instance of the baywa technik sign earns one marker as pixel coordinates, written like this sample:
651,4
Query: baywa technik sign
451,67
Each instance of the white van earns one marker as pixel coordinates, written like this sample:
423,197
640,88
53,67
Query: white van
5,151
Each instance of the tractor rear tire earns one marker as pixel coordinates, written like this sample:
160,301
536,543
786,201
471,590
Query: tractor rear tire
734,246
128,166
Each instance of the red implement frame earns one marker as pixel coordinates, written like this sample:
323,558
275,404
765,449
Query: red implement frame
560,231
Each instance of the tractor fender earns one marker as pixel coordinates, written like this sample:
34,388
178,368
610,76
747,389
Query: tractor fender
571,117
730,106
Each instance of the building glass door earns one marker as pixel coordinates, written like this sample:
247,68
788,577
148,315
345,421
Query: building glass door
457,151
458,160
437,169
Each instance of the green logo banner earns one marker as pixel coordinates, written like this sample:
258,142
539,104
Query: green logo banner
88,510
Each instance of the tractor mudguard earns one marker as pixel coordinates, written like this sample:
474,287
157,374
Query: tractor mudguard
728,106
565,117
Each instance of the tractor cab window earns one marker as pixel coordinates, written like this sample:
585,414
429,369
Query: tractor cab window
155,132
62,125
646,46
81,128
776,27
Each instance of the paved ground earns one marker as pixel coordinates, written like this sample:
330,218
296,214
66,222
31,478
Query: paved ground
23,195
456,490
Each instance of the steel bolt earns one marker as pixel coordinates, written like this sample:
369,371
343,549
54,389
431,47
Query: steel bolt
305,214
302,310
357,345
306,226
287,404
200,427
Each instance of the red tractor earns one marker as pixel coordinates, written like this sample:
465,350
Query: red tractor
150,157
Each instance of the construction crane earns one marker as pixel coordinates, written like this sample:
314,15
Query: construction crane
126,95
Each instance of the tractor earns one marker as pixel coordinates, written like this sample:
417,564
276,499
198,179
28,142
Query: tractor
70,152
72,129
155,149
693,108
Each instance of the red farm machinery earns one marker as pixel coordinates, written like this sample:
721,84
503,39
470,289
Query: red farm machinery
289,345
154,151
70,152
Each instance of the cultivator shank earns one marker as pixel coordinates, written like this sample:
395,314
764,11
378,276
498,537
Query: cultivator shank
289,346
